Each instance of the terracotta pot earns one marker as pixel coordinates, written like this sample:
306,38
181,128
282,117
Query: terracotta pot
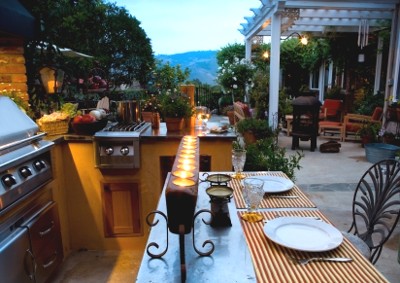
174,124
249,137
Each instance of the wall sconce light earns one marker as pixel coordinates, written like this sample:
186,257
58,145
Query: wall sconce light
266,55
52,79
303,38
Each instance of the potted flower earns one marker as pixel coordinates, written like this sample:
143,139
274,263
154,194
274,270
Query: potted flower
368,132
151,109
175,108
253,129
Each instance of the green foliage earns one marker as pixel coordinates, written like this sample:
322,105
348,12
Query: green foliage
113,37
259,127
368,104
176,105
266,155
167,77
229,52
315,53
260,93
369,129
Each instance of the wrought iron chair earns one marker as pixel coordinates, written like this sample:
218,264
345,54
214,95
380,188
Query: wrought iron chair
376,207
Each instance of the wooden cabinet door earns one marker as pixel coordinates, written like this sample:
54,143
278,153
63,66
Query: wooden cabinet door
121,209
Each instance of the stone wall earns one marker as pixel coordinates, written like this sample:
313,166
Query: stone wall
12,66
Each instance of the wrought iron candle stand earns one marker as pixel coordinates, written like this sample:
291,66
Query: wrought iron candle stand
181,197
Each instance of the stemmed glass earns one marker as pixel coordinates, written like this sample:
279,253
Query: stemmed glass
203,114
253,193
238,161
205,117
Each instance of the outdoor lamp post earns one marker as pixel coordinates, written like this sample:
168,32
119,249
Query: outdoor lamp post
52,79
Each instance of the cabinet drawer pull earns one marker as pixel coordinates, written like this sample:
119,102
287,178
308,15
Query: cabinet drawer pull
50,263
43,233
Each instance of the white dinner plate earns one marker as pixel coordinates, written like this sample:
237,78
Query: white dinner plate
276,184
303,234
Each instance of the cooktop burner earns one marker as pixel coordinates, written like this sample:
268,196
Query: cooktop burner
121,130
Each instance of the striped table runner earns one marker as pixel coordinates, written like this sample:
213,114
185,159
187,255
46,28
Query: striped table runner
300,202
271,263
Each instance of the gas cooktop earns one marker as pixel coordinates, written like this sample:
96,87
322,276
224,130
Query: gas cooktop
123,130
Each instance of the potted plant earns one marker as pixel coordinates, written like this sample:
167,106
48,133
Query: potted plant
151,109
265,154
175,108
253,129
368,132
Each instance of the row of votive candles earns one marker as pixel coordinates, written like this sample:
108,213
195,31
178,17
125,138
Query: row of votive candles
186,163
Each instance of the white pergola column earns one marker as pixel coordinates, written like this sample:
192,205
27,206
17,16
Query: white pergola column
274,70
392,81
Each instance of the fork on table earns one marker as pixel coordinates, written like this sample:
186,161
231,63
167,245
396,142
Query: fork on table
304,261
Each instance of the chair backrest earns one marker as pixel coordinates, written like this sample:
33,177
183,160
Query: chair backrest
241,111
376,205
332,109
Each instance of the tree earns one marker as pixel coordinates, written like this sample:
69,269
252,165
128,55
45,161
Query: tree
167,77
113,37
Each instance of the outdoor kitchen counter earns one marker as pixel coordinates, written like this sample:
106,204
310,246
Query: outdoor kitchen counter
162,133
83,191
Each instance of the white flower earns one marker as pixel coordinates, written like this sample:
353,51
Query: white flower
235,86
234,78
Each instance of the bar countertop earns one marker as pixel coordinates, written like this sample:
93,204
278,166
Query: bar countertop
162,133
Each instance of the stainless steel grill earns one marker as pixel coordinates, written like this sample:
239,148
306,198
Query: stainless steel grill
118,146
25,163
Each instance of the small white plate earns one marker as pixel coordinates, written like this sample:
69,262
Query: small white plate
276,184
303,234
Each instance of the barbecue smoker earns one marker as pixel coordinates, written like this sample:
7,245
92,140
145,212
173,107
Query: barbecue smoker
118,146
30,241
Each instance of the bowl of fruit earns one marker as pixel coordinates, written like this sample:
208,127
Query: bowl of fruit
90,123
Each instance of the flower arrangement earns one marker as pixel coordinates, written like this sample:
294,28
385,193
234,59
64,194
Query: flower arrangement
152,104
176,105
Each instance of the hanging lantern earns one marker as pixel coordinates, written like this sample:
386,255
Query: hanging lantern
52,79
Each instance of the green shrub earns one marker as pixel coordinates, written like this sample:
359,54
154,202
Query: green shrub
259,127
266,155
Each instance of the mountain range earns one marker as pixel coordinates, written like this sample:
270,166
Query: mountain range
202,64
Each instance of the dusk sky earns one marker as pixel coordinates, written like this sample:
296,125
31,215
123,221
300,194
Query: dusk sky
178,26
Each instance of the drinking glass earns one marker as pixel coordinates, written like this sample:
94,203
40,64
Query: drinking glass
200,110
253,193
238,161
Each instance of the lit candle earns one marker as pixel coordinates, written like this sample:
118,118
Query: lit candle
183,174
186,167
184,182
